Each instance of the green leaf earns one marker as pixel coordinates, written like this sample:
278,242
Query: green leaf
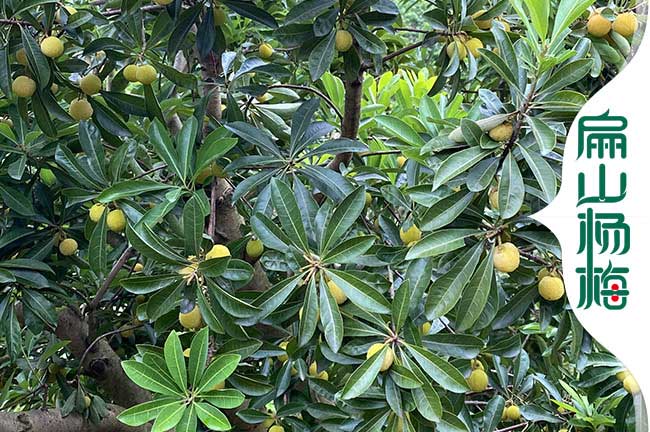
398,129
567,12
493,412
401,305
162,143
231,304
309,319
349,250
543,173
515,307
344,216
475,296
254,136
539,12
321,56
440,370
359,292
150,379
544,135
368,41
222,367
35,58
440,242
454,345
150,245
425,397
130,188
272,298
225,398
183,23
140,414
330,318
185,145
189,421
97,255
450,422
307,10
193,224
511,188
169,417
446,211
270,234
16,201
471,132
198,356
500,67
363,377
456,164
289,213
175,360
249,10
566,75
149,284
212,417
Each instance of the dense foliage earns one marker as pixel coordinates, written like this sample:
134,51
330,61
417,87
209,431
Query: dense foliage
296,216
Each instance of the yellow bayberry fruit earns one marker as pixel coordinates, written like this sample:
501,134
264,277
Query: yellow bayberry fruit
146,74
478,380
137,268
313,369
324,376
80,109
54,88
68,247
513,413
411,235
622,375
90,84
457,47
493,198
473,45
265,51
87,401
563,430
476,364
219,386
389,356
401,160
506,257
21,56
96,211
23,86
220,16
501,133
130,73
368,199
192,319
551,288
186,352
598,25
426,328
625,24
262,98
116,220
126,332
276,428
482,24
631,385
254,248
336,292
217,251
283,357
343,40
6,120
52,47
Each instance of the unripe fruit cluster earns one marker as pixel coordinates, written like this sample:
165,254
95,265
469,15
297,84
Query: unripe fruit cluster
625,24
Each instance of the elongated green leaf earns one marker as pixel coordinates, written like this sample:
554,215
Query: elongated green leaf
162,143
321,56
198,356
221,368
307,10
231,304
440,370
500,67
270,234
567,12
35,58
544,135
272,298
185,145
401,305
174,359
189,421
150,379
254,136
543,173
515,307
454,345
359,292
309,316
212,417
151,246
349,250
446,210
475,296
288,211
346,214
363,377
149,284
225,398
130,188
193,224
493,413
567,75
169,417
539,12
440,242
140,414
97,248
456,164
398,129
511,188
426,398
330,318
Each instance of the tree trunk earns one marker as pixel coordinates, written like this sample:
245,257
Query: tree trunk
351,118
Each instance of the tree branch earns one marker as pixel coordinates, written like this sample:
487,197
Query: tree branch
109,279
351,118
52,421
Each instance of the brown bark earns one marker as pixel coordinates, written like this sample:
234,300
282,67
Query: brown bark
51,421
351,118
100,362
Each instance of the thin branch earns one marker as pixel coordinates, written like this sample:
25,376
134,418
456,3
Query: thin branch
534,258
15,22
150,171
313,90
514,427
100,337
111,276
212,224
